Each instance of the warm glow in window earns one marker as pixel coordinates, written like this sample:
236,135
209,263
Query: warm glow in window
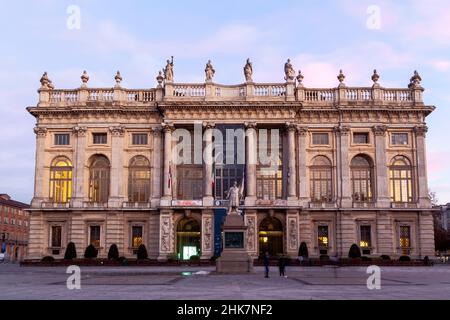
400,175
405,237
323,236
61,180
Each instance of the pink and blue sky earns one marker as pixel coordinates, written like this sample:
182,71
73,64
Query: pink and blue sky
136,37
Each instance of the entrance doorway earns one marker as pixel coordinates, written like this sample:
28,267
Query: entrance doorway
271,236
188,238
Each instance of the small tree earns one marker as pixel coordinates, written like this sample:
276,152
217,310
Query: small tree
354,252
142,252
71,251
303,250
113,253
90,252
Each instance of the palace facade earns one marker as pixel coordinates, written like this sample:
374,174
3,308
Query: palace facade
350,167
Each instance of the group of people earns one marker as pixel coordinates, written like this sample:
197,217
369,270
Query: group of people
282,262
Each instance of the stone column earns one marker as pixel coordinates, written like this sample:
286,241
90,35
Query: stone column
156,170
343,167
292,234
422,192
208,199
292,172
116,196
207,234
382,183
251,161
252,232
41,135
167,181
302,167
166,234
78,172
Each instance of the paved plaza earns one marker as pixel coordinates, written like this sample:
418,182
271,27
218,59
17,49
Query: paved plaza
192,283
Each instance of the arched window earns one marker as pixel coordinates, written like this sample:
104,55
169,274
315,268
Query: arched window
61,180
400,175
362,173
139,180
321,180
99,179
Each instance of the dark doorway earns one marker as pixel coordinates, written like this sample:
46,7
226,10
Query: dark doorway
271,236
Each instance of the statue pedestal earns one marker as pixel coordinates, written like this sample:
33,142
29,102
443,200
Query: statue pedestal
234,257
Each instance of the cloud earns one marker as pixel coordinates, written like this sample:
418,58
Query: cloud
440,65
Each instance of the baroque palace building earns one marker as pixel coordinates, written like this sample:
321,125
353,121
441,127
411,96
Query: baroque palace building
350,167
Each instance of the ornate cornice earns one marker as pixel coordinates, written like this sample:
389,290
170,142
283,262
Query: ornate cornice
40,132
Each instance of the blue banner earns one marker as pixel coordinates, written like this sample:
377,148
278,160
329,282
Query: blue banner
219,218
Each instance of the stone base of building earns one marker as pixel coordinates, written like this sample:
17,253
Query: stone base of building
234,262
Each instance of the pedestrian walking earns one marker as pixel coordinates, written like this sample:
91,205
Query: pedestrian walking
266,264
282,266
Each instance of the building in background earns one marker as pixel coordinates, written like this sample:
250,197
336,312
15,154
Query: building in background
444,216
14,227
350,167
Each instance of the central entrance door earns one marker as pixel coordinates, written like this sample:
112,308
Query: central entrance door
271,236
188,238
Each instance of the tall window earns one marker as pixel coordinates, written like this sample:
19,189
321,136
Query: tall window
136,236
56,239
61,180
269,176
190,182
405,239
321,180
323,239
400,175
139,180
365,241
99,180
95,236
362,172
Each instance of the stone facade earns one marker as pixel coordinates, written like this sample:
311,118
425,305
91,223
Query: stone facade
319,198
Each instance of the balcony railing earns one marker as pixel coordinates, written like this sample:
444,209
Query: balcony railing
136,205
404,205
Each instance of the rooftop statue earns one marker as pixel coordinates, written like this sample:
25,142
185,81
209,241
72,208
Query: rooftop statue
209,71
289,71
248,71
168,71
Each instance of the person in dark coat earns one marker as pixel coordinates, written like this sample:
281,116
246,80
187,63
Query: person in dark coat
282,265
266,264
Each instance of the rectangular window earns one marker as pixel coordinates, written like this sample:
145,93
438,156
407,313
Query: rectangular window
136,236
190,182
361,138
56,237
99,138
62,139
320,139
323,236
139,139
365,241
95,236
405,239
400,139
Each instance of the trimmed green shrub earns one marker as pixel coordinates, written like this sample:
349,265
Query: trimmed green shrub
48,259
354,252
90,252
404,258
303,250
142,252
113,253
71,251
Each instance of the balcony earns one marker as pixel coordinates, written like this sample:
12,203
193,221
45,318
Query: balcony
404,205
363,205
94,205
323,205
136,205
55,205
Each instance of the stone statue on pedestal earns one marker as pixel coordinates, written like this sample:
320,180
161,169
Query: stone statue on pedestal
289,71
248,71
168,71
234,196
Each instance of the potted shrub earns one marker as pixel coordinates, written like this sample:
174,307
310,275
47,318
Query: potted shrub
113,253
71,251
404,259
354,252
142,252
90,252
